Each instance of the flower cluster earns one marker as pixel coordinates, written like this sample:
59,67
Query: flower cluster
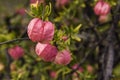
102,9
43,32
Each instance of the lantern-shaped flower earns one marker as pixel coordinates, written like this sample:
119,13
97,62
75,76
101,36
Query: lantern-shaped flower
63,57
102,8
16,52
46,52
39,31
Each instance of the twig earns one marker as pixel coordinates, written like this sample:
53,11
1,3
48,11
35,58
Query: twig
14,40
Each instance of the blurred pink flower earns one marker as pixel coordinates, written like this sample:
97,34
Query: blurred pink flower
46,52
102,8
60,3
103,18
39,31
53,74
89,68
80,69
63,57
21,11
16,52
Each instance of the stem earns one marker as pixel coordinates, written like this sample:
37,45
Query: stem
14,40
110,54
8,65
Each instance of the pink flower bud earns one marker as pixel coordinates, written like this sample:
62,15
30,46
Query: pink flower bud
16,52
46,52
103,18
89,68
102,8
63,57
39,31
60,3
80,69
21,11
53,74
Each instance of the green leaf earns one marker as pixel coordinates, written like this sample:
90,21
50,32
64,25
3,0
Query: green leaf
77,28
75,37
43,77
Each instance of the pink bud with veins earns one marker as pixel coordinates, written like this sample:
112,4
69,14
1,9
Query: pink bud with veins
46,52
39,31
16,52
63,57
60,3
102,8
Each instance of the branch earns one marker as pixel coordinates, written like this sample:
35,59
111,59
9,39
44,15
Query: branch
14,40
111,43
8,76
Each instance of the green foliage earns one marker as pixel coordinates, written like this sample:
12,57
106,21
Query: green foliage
40,10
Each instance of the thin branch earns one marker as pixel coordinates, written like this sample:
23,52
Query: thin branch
14,40
8,76
97,26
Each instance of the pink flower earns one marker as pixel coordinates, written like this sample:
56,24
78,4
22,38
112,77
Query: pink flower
33,1
102,8
46,52
103,18
16,52
80,69
53,74
60,3
89,68
39,31
63,57
21,11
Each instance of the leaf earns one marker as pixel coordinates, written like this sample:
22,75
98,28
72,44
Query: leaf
75,37
77,28
43,77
